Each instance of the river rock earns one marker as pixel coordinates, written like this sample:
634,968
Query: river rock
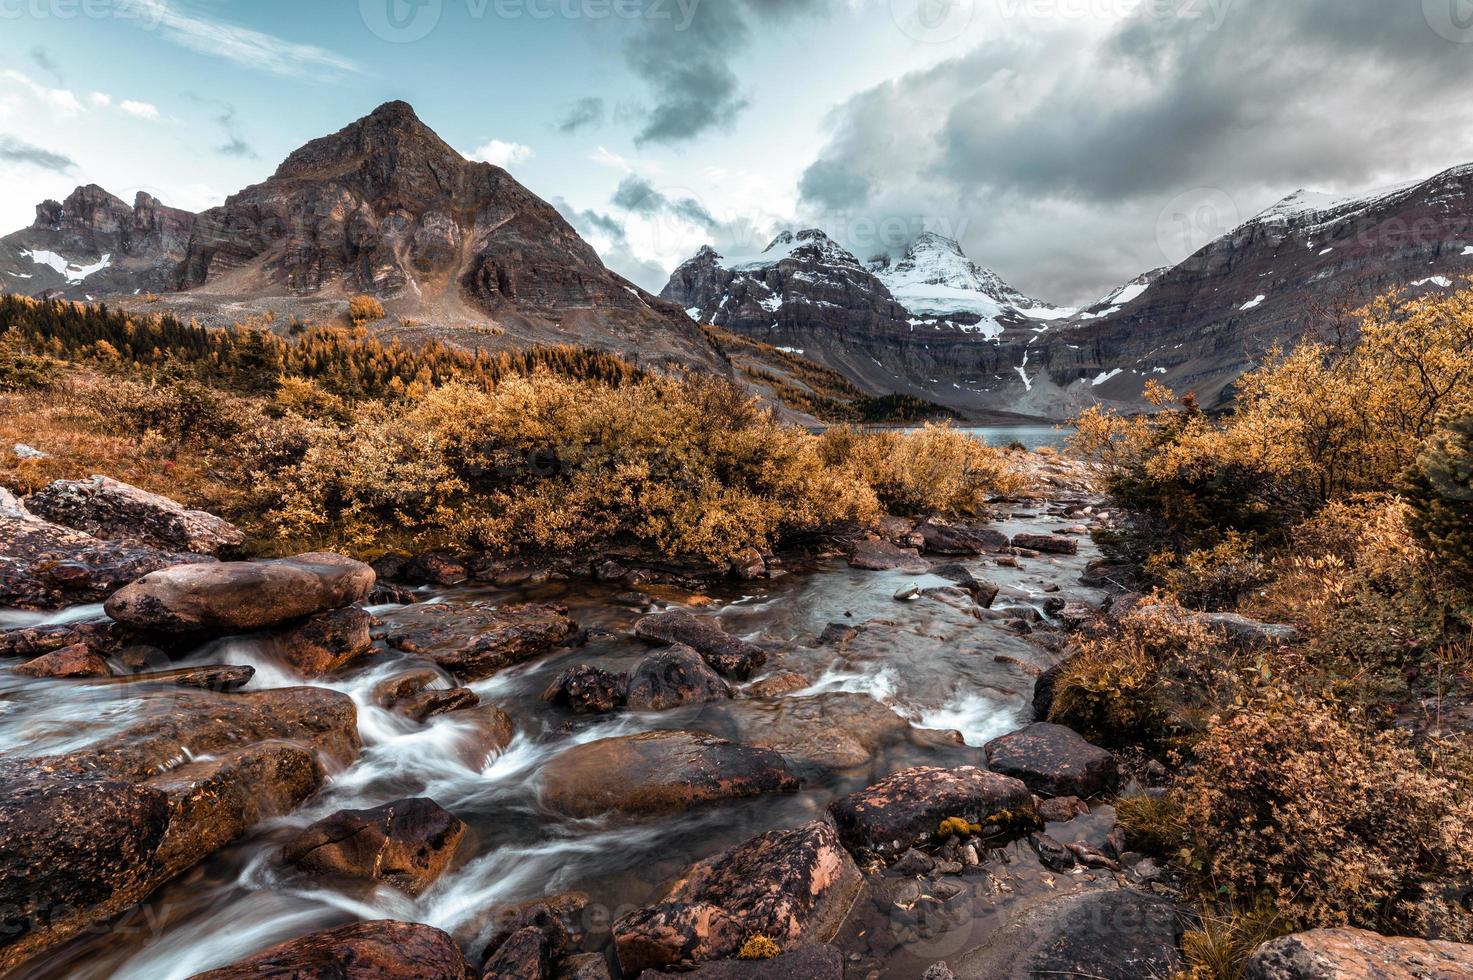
882,556
659,772
407,844
325,643
983,592
1054,544
829,731
382,950
428,703
907,808
725,653
434,569
674,677
114,511
1044,686
214,677
824,962
29,642
1053,761
1099,933
793,886
954,540
473,640
72,661
587,690
1355,954
237,597
748,565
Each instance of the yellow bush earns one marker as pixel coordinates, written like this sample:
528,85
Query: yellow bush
933,470
364,309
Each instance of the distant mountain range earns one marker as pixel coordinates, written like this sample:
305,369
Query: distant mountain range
460,251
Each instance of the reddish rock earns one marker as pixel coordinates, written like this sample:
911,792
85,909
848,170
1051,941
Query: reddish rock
435,569
777,685
748,565
382,950
672,678
725,653
907,809
237,597
528,946
1355,954
424,705
473,640
587,690
72,661
831,731
810,963
1053,544
324,643
954,540
114,511
407,844
882,556
792,886
1053,761
659,772
212,678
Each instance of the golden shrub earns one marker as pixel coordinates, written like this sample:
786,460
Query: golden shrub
365,309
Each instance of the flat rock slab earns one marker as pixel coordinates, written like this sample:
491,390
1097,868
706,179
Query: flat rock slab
381,950
1054,544
882,556
116,511
725,653
810,963
473,640
1355,954
238,597
956,540
829,731
407,844
793,886
1104,933
907,809
1053,761
659,772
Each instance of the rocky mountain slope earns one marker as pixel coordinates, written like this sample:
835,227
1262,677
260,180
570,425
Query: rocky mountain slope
455,249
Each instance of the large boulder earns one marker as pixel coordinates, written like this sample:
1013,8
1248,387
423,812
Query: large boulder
1056,544
674,677
793,886
587,690
828,731
407,844
809,963
1099,933
1053,761
115,511
1355,954
473,640
237,597
908,808
877,555
659,772
958,541
324,643
382,950
725,653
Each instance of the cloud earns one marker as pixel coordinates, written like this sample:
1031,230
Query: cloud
101,100
57,99
13,150
605,158
637,195
43,60
501,153
1061,145
242,45
143,110
234,145
611,240
585,112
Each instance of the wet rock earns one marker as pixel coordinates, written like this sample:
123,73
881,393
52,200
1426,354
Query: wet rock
72,661
237,597
1061,809
1055,856
491,731
384,594
583,966
830,731
588,690
1102,572
777,685
810,963
29,642
426,704
908,593
114,511
947,539
325,643
434,569
726,654
1092,857
672,678
837,634
212,678
1355,954
748,565
1052,544
525,955
1043,689
1102,933
659,772
1053,761
938,971
908,808
900,531
882,556
913,863
382,950
793,886
473,640
983,592
407,844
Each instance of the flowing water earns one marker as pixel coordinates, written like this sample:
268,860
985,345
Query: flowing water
938,666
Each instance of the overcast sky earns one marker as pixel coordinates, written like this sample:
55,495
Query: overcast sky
1069,144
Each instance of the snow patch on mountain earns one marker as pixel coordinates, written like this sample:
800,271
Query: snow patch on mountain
73,272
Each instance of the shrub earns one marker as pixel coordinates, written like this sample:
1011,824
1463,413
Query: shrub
1439,489
365,309
21,369
1214,578
1334,825
934,470
180,411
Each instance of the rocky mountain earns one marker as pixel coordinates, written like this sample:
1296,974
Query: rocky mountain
456,249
